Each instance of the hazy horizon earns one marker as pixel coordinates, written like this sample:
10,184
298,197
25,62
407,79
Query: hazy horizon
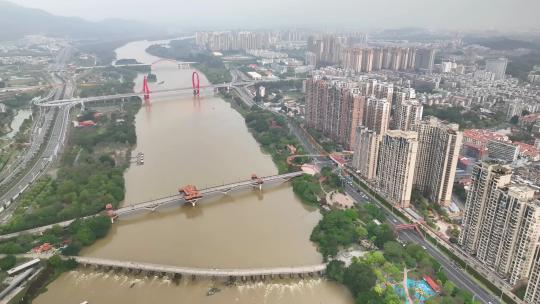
505,15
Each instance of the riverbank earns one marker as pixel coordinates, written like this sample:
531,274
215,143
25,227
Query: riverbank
88,176
273,135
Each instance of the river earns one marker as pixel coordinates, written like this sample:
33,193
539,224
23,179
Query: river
17,121
202,142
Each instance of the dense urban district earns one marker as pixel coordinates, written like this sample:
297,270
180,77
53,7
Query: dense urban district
421,152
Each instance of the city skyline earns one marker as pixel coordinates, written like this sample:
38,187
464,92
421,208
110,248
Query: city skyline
472,15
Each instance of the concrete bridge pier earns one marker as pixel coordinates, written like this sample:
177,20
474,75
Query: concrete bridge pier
176,278
106,268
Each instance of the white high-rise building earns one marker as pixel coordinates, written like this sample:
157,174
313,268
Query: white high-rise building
408,115
439,144
366,152
532,295
376,115
501,226
497,67
486,178
395,170
311,59
510,232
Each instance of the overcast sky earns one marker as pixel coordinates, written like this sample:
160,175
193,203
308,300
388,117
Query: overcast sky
439,14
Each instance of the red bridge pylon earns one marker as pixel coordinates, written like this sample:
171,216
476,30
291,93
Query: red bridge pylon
196,84
146,90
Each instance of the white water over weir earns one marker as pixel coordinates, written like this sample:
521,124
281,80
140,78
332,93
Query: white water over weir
166,270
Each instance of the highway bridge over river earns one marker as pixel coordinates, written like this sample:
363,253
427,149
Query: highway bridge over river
81,100
152,205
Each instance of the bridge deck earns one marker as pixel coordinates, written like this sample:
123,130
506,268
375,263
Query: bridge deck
60,102
154,204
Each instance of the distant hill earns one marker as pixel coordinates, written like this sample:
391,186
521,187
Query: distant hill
17,21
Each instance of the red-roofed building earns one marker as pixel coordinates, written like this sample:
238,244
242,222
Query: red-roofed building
340,161
432,283
481,137
529,120
528,151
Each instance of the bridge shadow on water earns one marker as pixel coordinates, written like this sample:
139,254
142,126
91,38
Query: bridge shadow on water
191,212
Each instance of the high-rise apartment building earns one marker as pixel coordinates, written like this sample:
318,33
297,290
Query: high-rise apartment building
377,59
353,60
395,170
243,40
425,59
384,90
497,66
366,152
335,108
311,59
510,234
486,178
532,294
438,151
367,60
329,48
502,223
408,114
376,115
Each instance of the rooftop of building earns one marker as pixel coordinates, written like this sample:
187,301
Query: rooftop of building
484,136
404,134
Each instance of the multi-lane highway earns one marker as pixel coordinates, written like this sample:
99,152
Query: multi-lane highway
37,158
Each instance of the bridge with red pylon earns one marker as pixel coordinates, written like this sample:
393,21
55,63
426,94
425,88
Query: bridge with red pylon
188,194
146,89
144,92
195,81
